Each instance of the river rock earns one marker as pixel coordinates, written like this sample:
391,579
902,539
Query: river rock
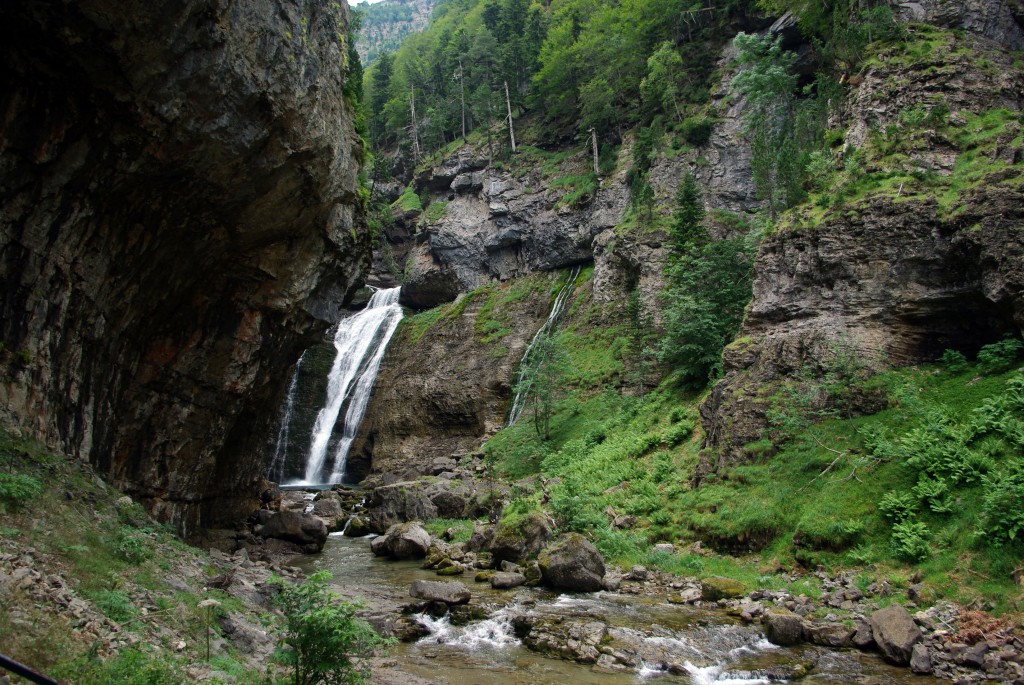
783,627
715,588
481,537
507,581
448,592
357,527
327,508
402,541
895,633
520,539
827,634
575,639
292,526
920,659
572,564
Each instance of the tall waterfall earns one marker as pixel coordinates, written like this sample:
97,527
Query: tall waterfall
519,401
359,345
277,466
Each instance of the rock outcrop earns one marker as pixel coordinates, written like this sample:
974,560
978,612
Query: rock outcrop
885,279
441,390
178,188
572,563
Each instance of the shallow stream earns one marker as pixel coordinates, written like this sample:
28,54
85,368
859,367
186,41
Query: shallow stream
713,647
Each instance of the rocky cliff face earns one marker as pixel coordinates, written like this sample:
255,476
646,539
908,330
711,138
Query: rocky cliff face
926,256
446,381
177,199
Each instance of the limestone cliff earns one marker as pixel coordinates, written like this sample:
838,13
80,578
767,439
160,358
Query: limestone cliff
177,205
926,255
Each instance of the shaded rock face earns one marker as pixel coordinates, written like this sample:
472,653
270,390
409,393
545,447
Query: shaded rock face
177,199
887,281
497,226
1001,21
439,394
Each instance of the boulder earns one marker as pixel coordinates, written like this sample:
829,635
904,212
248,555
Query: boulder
402,541
357,527
716,588
782,627
481,537
895,633
507,581
522,538
573,564
827,634
920,659
327,508
448,592
293,526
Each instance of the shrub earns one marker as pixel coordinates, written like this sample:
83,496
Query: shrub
17,488
898,506
953,360
910,540
115,605
697,130
132,546
1000,355
322,634
1003,506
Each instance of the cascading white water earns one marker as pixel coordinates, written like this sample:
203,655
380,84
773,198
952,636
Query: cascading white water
360,342
519,401
277,464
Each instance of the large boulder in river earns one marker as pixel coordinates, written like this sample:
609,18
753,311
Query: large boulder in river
448,592
783,627
327,507
424,499
402,541
572,564
520,538
895,633
292,526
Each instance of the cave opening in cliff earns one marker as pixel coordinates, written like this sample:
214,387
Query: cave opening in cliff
973,323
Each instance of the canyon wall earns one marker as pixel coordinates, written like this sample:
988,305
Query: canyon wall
178,217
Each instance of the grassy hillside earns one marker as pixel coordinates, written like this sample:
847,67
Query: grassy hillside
930,486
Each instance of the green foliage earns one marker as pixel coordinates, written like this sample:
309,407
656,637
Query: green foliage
783,131
1003,506
953,360
409,201
540,376
709,287
910,540
435,211
688,231
18,489
697,130
115,605
322,638
131,666
132,546
1000,355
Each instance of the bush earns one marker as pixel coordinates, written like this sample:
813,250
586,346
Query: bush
910,541
16,488
115,605
1003,506
954,361
322,634
898,506
132,546
1000,355
697,130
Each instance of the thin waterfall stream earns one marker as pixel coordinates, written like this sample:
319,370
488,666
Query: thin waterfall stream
519,401
359,344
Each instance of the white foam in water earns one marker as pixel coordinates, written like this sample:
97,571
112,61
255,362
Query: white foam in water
494,633
709,675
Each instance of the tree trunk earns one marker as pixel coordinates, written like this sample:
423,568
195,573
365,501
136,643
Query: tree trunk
593,144
511,130
415,133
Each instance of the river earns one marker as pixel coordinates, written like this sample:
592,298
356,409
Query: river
711,646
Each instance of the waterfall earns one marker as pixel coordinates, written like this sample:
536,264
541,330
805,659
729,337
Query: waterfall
519,401
277,465
359,345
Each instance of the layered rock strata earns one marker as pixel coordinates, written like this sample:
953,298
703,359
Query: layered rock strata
177,201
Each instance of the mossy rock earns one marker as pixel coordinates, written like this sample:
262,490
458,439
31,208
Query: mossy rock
484,576
716,588
453,570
